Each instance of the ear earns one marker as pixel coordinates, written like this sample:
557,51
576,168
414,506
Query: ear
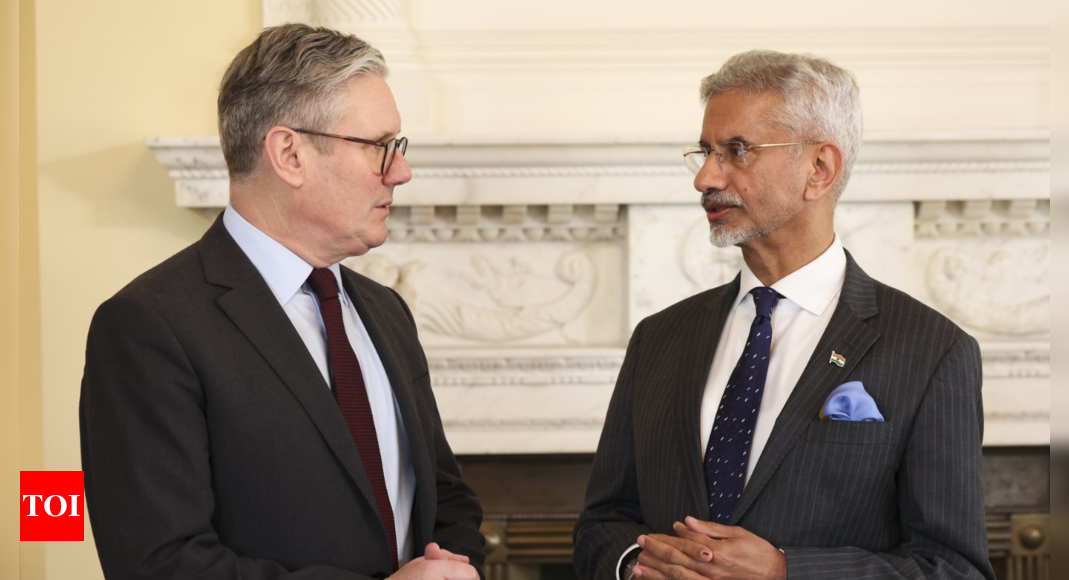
287,155
824,171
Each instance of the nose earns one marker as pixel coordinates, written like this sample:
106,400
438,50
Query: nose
400,172
710,176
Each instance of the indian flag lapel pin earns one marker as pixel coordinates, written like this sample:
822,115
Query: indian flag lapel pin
837,359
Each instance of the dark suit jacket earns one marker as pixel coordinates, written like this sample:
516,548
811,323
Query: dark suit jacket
212,447
899,499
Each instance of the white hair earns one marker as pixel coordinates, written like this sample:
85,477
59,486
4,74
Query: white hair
821,101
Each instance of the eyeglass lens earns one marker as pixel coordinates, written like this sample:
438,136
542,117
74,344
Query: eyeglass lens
391,150
733,157
695,159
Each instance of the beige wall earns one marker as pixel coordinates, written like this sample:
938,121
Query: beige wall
110,73
9,231
632,66
30,426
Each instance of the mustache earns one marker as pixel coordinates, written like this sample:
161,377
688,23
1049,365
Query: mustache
719,197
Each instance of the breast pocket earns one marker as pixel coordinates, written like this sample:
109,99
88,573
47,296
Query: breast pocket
849,432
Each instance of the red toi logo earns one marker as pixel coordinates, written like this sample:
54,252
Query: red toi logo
53,506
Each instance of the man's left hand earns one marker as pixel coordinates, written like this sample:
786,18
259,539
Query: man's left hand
706,550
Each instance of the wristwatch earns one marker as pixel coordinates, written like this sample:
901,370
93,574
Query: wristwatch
626,572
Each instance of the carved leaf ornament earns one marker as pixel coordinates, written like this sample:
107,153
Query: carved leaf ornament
999,288
517,308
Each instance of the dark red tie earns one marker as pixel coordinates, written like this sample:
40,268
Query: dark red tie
351,394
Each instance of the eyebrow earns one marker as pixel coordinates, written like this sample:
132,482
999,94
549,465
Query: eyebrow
734,139
386,136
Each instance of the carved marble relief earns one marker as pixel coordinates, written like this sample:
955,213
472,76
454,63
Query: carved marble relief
986,264
998,287
671,256
706,265
518,307
497,295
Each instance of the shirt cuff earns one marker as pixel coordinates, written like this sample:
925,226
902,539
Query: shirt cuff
627,555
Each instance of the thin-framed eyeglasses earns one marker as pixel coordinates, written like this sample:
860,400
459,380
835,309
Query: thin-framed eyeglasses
733,158
391,147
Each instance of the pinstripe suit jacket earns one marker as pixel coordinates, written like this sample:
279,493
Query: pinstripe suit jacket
899,499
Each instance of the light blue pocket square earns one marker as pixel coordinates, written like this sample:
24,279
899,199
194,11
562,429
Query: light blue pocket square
850,402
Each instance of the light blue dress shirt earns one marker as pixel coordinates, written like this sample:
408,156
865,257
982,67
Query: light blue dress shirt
286,275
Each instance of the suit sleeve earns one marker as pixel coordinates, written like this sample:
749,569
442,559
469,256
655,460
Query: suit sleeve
459,513
145,454
456,524
612,518
940,496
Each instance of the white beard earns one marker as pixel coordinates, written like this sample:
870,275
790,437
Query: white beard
722,237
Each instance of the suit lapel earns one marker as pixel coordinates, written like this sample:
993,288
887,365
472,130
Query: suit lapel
699,342
847,334
371,314
255,311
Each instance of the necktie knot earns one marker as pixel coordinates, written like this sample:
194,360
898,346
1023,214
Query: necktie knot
765,300
323,283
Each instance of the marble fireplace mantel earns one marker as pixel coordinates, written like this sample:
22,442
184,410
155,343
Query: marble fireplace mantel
527,263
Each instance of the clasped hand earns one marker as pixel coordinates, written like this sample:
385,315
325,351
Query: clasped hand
708,551
437,563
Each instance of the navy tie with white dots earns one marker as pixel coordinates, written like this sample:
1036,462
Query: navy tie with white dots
728,453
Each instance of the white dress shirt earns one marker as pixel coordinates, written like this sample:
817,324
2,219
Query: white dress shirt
286,275
810,295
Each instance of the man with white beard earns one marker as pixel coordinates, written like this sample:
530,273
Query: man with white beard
804,420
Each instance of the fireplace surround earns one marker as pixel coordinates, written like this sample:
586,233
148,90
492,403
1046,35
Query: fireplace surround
526,264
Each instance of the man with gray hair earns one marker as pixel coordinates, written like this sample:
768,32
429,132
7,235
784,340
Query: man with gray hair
252,409
804,420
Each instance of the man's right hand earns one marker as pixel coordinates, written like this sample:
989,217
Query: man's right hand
437,564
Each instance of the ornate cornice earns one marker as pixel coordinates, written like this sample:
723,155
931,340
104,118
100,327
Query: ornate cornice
554,171
455,171
678,170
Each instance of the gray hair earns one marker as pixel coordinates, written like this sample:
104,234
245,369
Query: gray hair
821,101
292,75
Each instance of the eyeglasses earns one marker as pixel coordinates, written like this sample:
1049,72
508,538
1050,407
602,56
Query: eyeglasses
392,146
733,158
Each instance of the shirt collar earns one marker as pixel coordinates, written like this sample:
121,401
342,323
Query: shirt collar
812,286
284,271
